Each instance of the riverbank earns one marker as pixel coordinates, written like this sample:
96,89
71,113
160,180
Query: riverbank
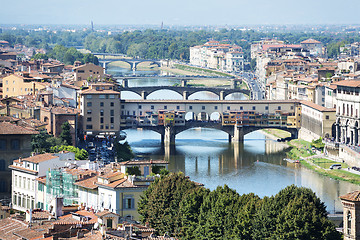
318,162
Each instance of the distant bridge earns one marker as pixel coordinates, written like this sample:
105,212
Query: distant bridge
132,62
200,114
185,91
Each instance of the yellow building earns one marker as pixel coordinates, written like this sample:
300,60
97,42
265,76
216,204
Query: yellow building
88,71
22,83
100,110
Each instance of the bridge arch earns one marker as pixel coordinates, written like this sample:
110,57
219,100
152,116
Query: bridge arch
121,60
148,61
215,116
153,94
234,96
130,95
214,96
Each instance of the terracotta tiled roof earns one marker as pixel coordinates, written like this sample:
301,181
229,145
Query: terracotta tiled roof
88,183
104,213
7,128
9,225
68,219
348,83
22,168
353,196
94,91
317,107
41,179
40,158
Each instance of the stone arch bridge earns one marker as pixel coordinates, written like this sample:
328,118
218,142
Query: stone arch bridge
133,109
132,62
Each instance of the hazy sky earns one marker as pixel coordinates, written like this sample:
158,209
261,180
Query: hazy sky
180,12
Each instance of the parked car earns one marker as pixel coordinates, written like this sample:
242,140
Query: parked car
335,166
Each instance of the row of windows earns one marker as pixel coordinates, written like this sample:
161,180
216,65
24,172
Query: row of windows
23,201
111,96
215,107
14,144
89,119
89,104
112,112
90,126
23,182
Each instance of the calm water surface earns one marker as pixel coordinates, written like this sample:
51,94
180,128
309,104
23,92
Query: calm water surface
206,156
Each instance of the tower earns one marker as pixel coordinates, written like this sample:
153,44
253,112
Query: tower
92,26
351,215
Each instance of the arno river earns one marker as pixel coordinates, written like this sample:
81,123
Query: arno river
206,156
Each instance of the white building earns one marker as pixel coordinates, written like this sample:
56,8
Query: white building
24,173
214,55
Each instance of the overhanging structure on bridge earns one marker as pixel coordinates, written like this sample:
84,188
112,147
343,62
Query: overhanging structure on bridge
237,118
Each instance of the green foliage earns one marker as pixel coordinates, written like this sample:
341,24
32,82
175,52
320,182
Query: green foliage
133,171
318,144
175,205
43,141
123,151
159,204
40,56
65,134
80,154
157,169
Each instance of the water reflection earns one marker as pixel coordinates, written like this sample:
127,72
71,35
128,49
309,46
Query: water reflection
255,166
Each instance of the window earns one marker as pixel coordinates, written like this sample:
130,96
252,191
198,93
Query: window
15,180
111,104
101,112
327,117
266,108
89,104
89,126
101,120
292,107
241,107
40,187
88,119
139,107
348,218
15,144
152,107
190,107
253,108
129,203
165,107
89,111
112,120
2,165
111,112
216,107
279,107
101,104
228,107
111,96
101,126
80,71
122,106
102,96
2,144
88,96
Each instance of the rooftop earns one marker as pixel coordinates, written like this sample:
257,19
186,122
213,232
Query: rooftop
7,128
353,196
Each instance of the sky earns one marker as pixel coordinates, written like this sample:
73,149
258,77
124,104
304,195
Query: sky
180,12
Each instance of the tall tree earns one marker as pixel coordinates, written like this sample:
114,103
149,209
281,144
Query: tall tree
65,134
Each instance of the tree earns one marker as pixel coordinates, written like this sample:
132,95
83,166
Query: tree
133,171
159,204
65,134
123,151
43,141
80,154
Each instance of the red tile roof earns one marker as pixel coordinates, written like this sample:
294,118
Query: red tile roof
40,158
317,107
7,128
348,83
310,40
353,196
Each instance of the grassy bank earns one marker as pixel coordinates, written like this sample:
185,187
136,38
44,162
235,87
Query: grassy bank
301,150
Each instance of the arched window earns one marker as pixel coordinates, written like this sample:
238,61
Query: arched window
348,217
46,119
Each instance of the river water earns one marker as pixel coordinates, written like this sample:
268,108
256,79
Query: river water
206,156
